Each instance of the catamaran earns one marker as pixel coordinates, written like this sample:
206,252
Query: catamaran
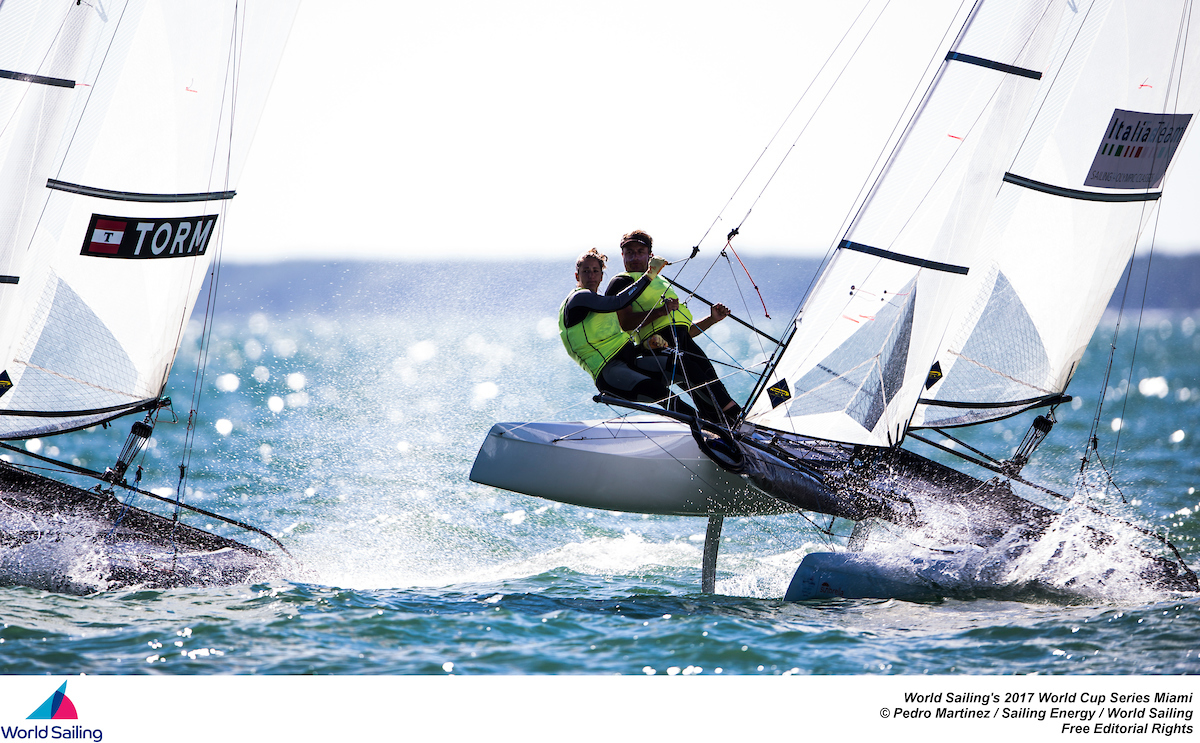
964,290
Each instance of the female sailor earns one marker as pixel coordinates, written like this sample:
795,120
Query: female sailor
592,335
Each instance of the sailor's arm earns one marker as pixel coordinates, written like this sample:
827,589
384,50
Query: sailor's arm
631,319
592,302
718,313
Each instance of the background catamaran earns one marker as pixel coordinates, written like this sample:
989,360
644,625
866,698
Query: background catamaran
123,129
964,290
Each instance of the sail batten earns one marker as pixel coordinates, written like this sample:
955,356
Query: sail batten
27,77
158,198
1072,193
910,260
992,64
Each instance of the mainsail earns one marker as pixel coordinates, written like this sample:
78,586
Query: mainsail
969,282
124,126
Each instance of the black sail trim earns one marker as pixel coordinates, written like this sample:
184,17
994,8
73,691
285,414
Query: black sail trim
10,279
901,258
1032,401
994,65
1070,193
173,198
132,407
25,77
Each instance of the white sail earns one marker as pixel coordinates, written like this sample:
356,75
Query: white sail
958,225
123,129
1081,189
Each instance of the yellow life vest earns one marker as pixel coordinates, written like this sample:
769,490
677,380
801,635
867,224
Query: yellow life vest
652,298
593,342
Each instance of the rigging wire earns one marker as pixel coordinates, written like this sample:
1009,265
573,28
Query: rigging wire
1180,54
232,76
856,206
782,124
818,108
804,129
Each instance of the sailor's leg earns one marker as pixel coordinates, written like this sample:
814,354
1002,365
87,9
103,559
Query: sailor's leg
707,390
665,366
622,380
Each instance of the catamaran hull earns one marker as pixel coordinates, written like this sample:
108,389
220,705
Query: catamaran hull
639,464
654,465
831,575
57,537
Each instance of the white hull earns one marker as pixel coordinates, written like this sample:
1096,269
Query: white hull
641,464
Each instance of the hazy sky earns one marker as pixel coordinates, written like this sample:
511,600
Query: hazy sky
538,129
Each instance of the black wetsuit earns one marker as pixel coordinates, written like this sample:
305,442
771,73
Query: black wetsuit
626,375
684,363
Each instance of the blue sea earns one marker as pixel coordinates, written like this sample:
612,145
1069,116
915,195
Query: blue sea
341,407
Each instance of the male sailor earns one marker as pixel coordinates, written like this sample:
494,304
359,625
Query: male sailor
664,327
592,335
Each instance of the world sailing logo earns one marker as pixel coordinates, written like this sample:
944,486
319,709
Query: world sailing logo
56,707
1136,149
135,237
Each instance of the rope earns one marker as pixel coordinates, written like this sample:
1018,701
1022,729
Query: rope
729,247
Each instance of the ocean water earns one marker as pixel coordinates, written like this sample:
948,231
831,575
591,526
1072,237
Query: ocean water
349,434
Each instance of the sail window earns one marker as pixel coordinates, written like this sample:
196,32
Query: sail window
57,375
922,262
25,77
993,65
863,374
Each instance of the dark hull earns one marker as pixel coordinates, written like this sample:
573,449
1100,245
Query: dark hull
940,505
58,537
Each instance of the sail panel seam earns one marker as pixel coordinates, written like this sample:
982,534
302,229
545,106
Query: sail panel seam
1071,193
26,77
991,64
161,198
901,258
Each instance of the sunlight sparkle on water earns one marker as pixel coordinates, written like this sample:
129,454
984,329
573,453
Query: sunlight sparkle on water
422,351
547,327
483,392
284,348
1154,387
224,426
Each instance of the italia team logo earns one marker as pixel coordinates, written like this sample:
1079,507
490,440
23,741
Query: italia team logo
57,707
